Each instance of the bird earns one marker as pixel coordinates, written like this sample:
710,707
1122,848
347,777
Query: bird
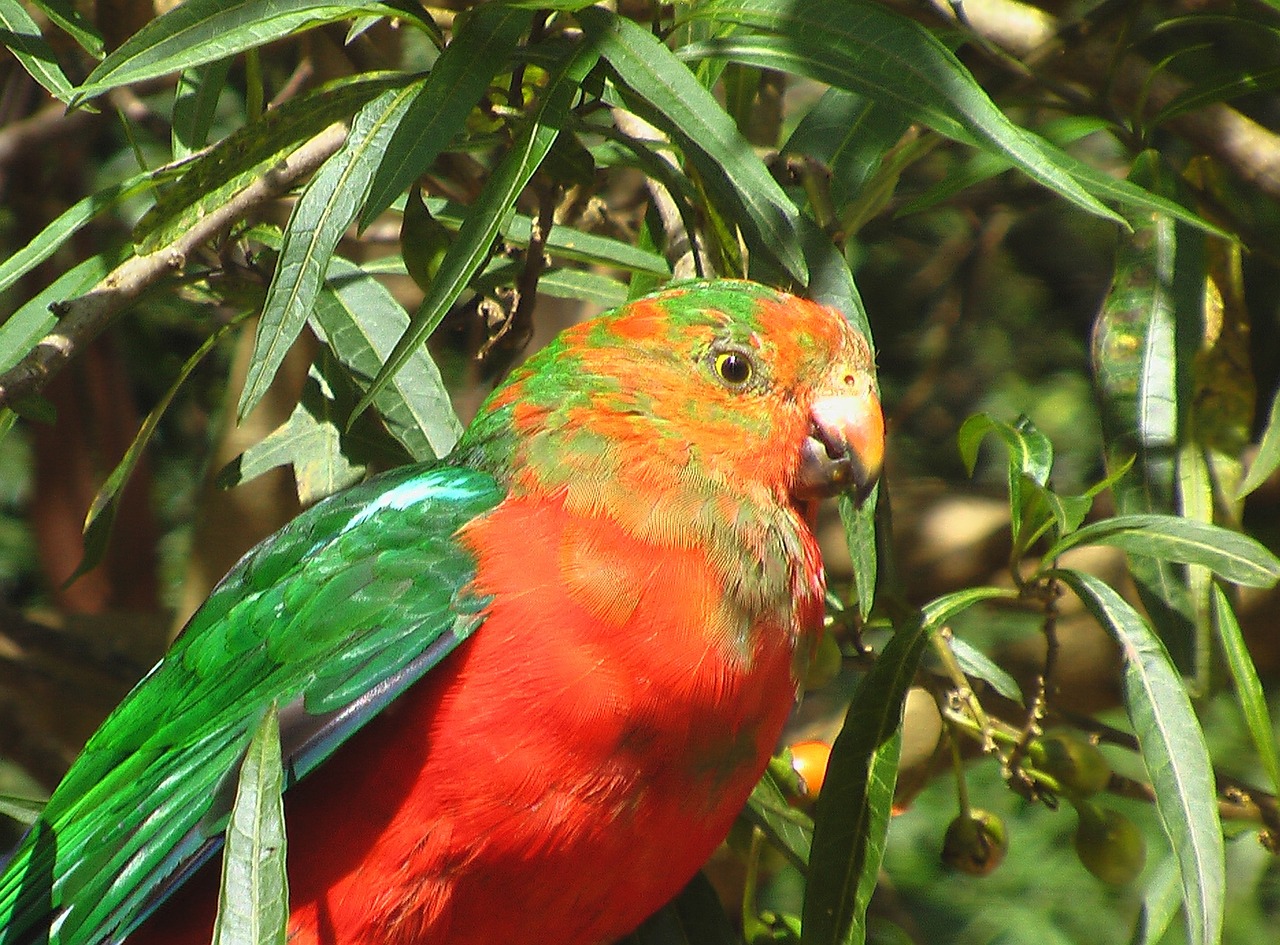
524,691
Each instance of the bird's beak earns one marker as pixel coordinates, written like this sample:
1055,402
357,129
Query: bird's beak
845,446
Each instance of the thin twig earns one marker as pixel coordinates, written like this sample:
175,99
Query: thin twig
83,319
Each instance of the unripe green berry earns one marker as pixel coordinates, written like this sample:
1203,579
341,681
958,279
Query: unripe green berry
975,843
1110,845
1075,763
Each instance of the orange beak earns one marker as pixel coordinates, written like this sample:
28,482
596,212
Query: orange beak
845,447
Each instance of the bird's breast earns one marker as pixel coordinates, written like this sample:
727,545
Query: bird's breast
571,765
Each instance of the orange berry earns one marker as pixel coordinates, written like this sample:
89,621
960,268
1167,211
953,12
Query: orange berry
809,758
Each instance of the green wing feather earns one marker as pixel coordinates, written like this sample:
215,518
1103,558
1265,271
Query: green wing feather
330,619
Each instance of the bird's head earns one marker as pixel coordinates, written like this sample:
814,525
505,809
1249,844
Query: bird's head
719,387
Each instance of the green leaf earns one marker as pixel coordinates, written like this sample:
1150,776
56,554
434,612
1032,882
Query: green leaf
863,47
69,222
1161,903
860,538
253,906
195,106
1144,342
1067,511
672,98
1030,452
786,827
201,31
1229,554
321,216
311,440
1253,699
866,48
1173,751
978,665
937,612
491,210
592,287
1267,460
850,133
694,916
21,34
250,152
563,242
25,810
830,279
1030,456
22,330
102,511
457,81
74,23
360,321
852,814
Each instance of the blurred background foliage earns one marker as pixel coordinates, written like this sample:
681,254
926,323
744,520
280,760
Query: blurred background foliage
1068,212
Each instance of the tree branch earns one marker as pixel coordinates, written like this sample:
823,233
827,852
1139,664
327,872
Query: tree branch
83,319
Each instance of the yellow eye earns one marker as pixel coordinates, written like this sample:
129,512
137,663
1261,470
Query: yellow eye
734,368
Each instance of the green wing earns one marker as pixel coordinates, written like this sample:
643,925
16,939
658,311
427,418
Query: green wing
330,619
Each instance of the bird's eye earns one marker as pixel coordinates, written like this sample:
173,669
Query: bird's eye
734,368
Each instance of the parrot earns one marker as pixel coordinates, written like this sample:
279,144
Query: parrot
524,691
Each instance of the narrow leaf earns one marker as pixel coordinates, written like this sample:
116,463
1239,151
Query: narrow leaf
860,538
1173,751
253,906
850,133
201,31
319,219
360,321
853,809
1161,903
251,151
864,47
1030,456
978,665
1229,554
195,105
1137,368
490,212
25,810
1253,700
593,287
102,511
1030,453
21,34
787,828
457,80
563,242
674,100
311,441
23,329
852,813
1267,459
830,279
71,21
47,242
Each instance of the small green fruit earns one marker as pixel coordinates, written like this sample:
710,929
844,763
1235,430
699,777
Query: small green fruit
1075,763
1110,845
975,844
